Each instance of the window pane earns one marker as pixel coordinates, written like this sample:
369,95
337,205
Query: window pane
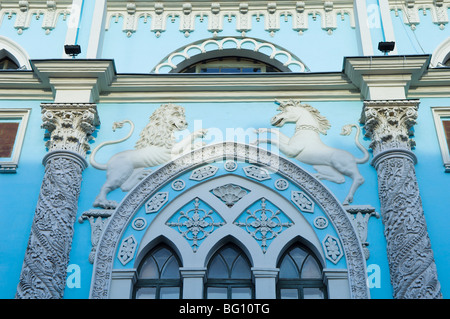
241,269
8,132
171,269
312,293
229,254
217,269
149,269
446,124
231,70
217,293
161,257
146,293
288,269
170,293
298,255
311,269
241,293
289,294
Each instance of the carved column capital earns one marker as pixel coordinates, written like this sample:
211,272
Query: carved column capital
69,126
389,124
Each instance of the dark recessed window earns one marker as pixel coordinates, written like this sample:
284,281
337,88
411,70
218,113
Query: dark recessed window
230,65
229,275
8,133
8,64
159,275
300,275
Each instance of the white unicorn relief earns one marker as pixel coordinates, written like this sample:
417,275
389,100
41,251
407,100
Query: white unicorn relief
307,147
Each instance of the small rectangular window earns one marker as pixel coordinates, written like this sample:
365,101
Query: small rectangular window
441,117
13,123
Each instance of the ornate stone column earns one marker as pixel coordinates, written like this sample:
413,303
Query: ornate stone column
412,268
69,127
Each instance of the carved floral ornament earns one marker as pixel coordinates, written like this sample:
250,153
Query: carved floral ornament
149,186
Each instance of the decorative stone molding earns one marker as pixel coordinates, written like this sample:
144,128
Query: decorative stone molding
411,11
125,212
24,11
230,194
332,248
97,219
360,218
218,13
69,126
412,267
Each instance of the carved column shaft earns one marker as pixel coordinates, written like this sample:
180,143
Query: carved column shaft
47,256
411,262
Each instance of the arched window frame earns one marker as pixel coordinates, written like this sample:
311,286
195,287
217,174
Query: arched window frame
229,283
300,283
159,282
13,51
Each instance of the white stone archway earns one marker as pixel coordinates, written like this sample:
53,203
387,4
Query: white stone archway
109,241
15,52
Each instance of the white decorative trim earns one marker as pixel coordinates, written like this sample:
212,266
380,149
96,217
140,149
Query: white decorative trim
156,202
256,172
411,8
15,52
230,166
219,13
254,45
281,184
441,54
127,249
355,259
21,115
302,201
24,11
332,248
438,114
320,222
203,172
178,185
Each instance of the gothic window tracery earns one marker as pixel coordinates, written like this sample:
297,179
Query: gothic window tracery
300,275
159,275
229,275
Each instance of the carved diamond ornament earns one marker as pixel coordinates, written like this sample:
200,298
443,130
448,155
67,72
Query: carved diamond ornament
332,248
156,202
127,249
256,172
263,224
302,201
203,172
195,224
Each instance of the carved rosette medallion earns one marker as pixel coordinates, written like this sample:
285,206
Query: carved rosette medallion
412,267
46,259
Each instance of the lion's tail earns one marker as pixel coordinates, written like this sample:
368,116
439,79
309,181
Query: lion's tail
346,130
96,149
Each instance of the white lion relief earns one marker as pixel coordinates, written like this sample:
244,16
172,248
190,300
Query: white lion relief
307,147
155,146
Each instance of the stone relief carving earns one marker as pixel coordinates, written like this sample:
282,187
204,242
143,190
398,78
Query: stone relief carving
411,261
156,146
263,224
156,202
302,201
306,146
127,249
195,224
217,152
97,219
360,215
44,269
203,172
256,172
230,194
332,248
411,9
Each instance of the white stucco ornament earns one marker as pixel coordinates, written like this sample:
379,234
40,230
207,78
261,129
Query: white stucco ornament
306,146
156,146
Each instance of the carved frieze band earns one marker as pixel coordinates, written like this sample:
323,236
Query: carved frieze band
44,268
24,11
218,13
412,267
413,9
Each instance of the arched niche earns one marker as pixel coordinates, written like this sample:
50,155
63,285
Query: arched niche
314,189
15,52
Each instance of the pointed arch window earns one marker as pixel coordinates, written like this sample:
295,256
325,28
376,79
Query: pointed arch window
8,64
159,275
229,275
300,275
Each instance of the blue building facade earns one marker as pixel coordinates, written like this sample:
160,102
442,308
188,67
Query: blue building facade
225,149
